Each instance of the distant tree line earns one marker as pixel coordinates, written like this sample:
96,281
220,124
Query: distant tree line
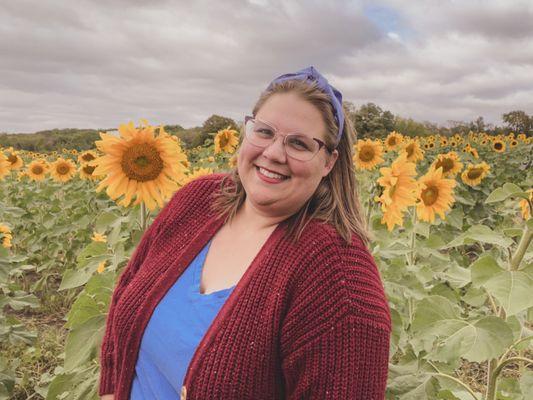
369,120
372,121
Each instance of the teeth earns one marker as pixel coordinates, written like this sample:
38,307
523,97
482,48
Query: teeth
271,174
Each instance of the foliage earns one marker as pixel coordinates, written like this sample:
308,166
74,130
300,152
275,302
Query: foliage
458,289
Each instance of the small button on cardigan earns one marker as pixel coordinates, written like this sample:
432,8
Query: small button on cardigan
307,320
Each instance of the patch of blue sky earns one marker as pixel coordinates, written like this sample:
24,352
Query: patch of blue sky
389,21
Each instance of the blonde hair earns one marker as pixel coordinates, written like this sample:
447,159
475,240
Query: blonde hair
336,199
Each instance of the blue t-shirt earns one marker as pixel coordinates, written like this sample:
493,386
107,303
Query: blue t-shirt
176,327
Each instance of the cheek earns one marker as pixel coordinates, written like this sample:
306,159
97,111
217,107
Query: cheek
248,152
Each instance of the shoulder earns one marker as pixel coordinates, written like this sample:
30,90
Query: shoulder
197,189
189,201
346,272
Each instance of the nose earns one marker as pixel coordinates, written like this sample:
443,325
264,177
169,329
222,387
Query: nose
276,150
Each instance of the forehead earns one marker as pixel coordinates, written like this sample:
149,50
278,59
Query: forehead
290,113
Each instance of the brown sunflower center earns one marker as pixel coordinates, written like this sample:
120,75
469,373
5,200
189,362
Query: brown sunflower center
392,141
446,164
87,157
37,169
410,150
430,195
12,158
366,154
63,169
224,140
474,173
142,163
88,169
498,146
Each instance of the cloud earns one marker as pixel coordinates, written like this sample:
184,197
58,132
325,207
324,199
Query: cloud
99,64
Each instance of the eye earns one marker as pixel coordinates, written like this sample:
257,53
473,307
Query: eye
299,144
264,132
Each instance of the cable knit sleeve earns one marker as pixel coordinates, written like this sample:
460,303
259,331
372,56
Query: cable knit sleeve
335,337
178,204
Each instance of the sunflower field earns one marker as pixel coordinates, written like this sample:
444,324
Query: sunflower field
450,219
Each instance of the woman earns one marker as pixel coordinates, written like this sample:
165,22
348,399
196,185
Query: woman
258,284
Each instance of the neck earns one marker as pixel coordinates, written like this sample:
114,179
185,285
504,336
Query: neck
255,220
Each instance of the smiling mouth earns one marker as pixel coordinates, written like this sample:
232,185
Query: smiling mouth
272,175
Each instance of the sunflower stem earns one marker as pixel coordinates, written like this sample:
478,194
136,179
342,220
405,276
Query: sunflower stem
493,378
413,237
522,247
143,217
369,209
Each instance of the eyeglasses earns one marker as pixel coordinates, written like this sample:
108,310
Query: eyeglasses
300,147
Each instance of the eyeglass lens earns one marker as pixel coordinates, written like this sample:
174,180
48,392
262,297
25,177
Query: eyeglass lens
300,147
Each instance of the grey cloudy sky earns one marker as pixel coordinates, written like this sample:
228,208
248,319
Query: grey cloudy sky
97,64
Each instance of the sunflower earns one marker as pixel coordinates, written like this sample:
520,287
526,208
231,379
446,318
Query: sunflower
37,169
525,208
368,154
474,174
513,143
226,140
449,162
5,236
473,152
400,190
443,141
4,166
436,195
87,172
232,162
86,156
99,237
197,173
413,150
101,267
22,175
62,170
393,140
498,145
140,164
15,161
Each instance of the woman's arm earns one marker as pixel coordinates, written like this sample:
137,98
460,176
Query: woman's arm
335,337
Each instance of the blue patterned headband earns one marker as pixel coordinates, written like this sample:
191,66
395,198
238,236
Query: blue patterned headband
311,74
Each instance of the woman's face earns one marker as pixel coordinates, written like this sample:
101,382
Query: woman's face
289,114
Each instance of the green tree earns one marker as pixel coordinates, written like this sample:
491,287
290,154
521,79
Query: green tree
371,121
410,127
215,123
519,122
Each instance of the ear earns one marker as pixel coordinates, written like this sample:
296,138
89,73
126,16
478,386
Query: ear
330,162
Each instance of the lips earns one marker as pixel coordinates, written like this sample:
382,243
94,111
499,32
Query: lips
271,170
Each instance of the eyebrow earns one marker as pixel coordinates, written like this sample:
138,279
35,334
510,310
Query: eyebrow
275,127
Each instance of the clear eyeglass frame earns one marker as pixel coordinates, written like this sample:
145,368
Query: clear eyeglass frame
248,119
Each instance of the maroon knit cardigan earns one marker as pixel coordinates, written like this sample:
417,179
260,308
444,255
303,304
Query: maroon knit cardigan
306,321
